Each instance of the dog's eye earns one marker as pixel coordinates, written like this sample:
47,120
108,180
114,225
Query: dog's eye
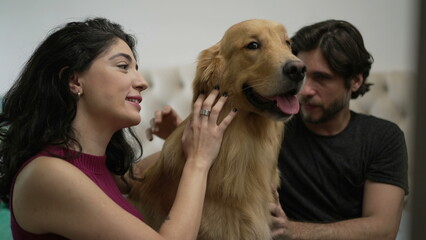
253,45
288,43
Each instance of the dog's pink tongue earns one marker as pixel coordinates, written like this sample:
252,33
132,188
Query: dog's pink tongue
287,104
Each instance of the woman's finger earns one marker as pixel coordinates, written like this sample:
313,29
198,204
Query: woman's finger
207,105
227,120
196,107
217,108
211,99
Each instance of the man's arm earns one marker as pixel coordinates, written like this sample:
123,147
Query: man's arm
381,215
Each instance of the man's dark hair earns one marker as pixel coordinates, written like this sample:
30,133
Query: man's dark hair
341,45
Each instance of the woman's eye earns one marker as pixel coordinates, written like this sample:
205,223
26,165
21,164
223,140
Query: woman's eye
123,66
253,45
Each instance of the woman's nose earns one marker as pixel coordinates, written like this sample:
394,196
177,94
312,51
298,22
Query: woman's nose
140,83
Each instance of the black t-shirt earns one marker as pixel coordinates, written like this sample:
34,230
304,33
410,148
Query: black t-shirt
322,177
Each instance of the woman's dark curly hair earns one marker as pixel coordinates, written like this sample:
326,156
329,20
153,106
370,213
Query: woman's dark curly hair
342,46
39,109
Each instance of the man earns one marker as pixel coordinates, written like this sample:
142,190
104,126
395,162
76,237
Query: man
344,175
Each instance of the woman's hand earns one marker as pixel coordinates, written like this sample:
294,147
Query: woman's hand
203,135
163,123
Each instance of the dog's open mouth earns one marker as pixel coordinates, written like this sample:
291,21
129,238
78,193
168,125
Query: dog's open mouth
283,105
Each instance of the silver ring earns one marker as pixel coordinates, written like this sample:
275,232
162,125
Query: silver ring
204,112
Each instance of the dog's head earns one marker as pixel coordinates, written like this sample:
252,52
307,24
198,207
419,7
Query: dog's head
254,64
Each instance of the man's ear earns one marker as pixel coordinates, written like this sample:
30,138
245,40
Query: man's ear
356,82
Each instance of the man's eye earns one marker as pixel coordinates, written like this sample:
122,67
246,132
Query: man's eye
321,78
253,45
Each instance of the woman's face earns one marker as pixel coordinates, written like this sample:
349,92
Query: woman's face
111,89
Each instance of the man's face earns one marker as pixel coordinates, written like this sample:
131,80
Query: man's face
324,94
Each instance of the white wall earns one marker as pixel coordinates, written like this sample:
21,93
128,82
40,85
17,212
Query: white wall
173,32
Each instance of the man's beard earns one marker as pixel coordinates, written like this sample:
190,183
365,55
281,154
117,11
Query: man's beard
327,113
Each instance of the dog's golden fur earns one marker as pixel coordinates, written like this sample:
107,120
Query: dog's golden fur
240,181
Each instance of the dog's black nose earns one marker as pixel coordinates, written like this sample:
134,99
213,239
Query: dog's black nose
295,70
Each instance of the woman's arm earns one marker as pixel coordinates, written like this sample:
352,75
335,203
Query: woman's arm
200,148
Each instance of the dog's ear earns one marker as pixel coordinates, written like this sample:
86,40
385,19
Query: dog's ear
209,70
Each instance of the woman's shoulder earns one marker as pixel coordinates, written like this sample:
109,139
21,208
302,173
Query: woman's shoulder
44,169
44,175
53,196
40,188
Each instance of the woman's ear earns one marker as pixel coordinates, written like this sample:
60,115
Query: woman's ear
74,83
356,82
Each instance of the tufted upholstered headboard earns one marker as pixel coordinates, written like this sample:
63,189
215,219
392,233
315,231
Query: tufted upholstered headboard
167,86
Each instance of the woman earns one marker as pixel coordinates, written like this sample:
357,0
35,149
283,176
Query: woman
62,141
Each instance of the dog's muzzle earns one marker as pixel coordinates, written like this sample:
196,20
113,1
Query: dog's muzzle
281,106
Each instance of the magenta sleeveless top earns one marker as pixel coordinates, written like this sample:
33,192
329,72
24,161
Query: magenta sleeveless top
95,168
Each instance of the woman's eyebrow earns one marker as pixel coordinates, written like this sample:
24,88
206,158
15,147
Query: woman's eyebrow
127,56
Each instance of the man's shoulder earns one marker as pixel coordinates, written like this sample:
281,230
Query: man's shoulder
372,123
367,118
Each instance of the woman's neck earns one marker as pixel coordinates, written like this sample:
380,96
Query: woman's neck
93,137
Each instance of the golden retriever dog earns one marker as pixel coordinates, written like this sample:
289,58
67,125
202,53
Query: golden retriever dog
254,65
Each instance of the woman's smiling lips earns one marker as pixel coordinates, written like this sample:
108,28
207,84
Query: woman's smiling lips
135,100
